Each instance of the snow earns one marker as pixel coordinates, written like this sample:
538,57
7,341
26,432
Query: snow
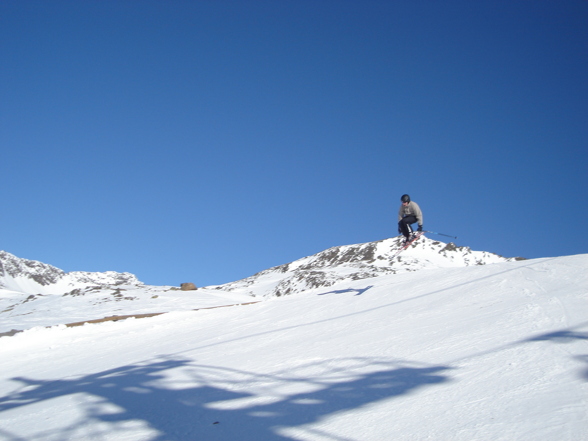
483,352
101,302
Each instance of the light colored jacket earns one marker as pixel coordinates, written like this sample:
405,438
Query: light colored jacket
411,209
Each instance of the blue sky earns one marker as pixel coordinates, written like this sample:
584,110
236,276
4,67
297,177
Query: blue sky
204,141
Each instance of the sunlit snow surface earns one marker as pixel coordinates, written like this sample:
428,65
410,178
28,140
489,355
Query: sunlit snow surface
483,352
37,294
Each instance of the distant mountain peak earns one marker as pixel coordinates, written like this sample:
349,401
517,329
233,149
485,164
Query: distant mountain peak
15,267
31,276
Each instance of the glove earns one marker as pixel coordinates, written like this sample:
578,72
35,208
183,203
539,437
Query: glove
420,228
399,230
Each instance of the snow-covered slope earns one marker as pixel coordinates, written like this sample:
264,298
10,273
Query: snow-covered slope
361,261
36,294
486,352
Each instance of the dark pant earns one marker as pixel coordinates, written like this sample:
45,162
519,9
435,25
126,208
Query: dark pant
404,225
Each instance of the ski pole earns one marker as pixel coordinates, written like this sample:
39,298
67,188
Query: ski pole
441,234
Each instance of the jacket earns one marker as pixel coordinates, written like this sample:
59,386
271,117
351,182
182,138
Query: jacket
411,209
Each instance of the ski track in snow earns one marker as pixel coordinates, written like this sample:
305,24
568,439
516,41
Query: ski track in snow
493,352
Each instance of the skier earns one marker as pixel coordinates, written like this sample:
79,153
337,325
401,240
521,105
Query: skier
409,213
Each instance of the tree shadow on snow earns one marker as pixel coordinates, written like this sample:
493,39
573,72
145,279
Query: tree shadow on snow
566,336
563,336
211,403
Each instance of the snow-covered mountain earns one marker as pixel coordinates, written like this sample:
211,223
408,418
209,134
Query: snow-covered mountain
361,261
37,294
33,277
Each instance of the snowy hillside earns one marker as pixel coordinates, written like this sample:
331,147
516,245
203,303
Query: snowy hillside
355,262
483,352
36,294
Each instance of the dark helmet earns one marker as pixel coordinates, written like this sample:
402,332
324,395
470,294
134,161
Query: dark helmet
405,198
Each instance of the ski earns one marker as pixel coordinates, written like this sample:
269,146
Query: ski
409,243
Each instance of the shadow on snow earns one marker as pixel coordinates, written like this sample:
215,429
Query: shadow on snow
357,291
566,336
214,403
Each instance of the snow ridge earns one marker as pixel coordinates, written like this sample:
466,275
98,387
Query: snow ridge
356,262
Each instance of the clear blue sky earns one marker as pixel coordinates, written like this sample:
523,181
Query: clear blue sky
204,141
